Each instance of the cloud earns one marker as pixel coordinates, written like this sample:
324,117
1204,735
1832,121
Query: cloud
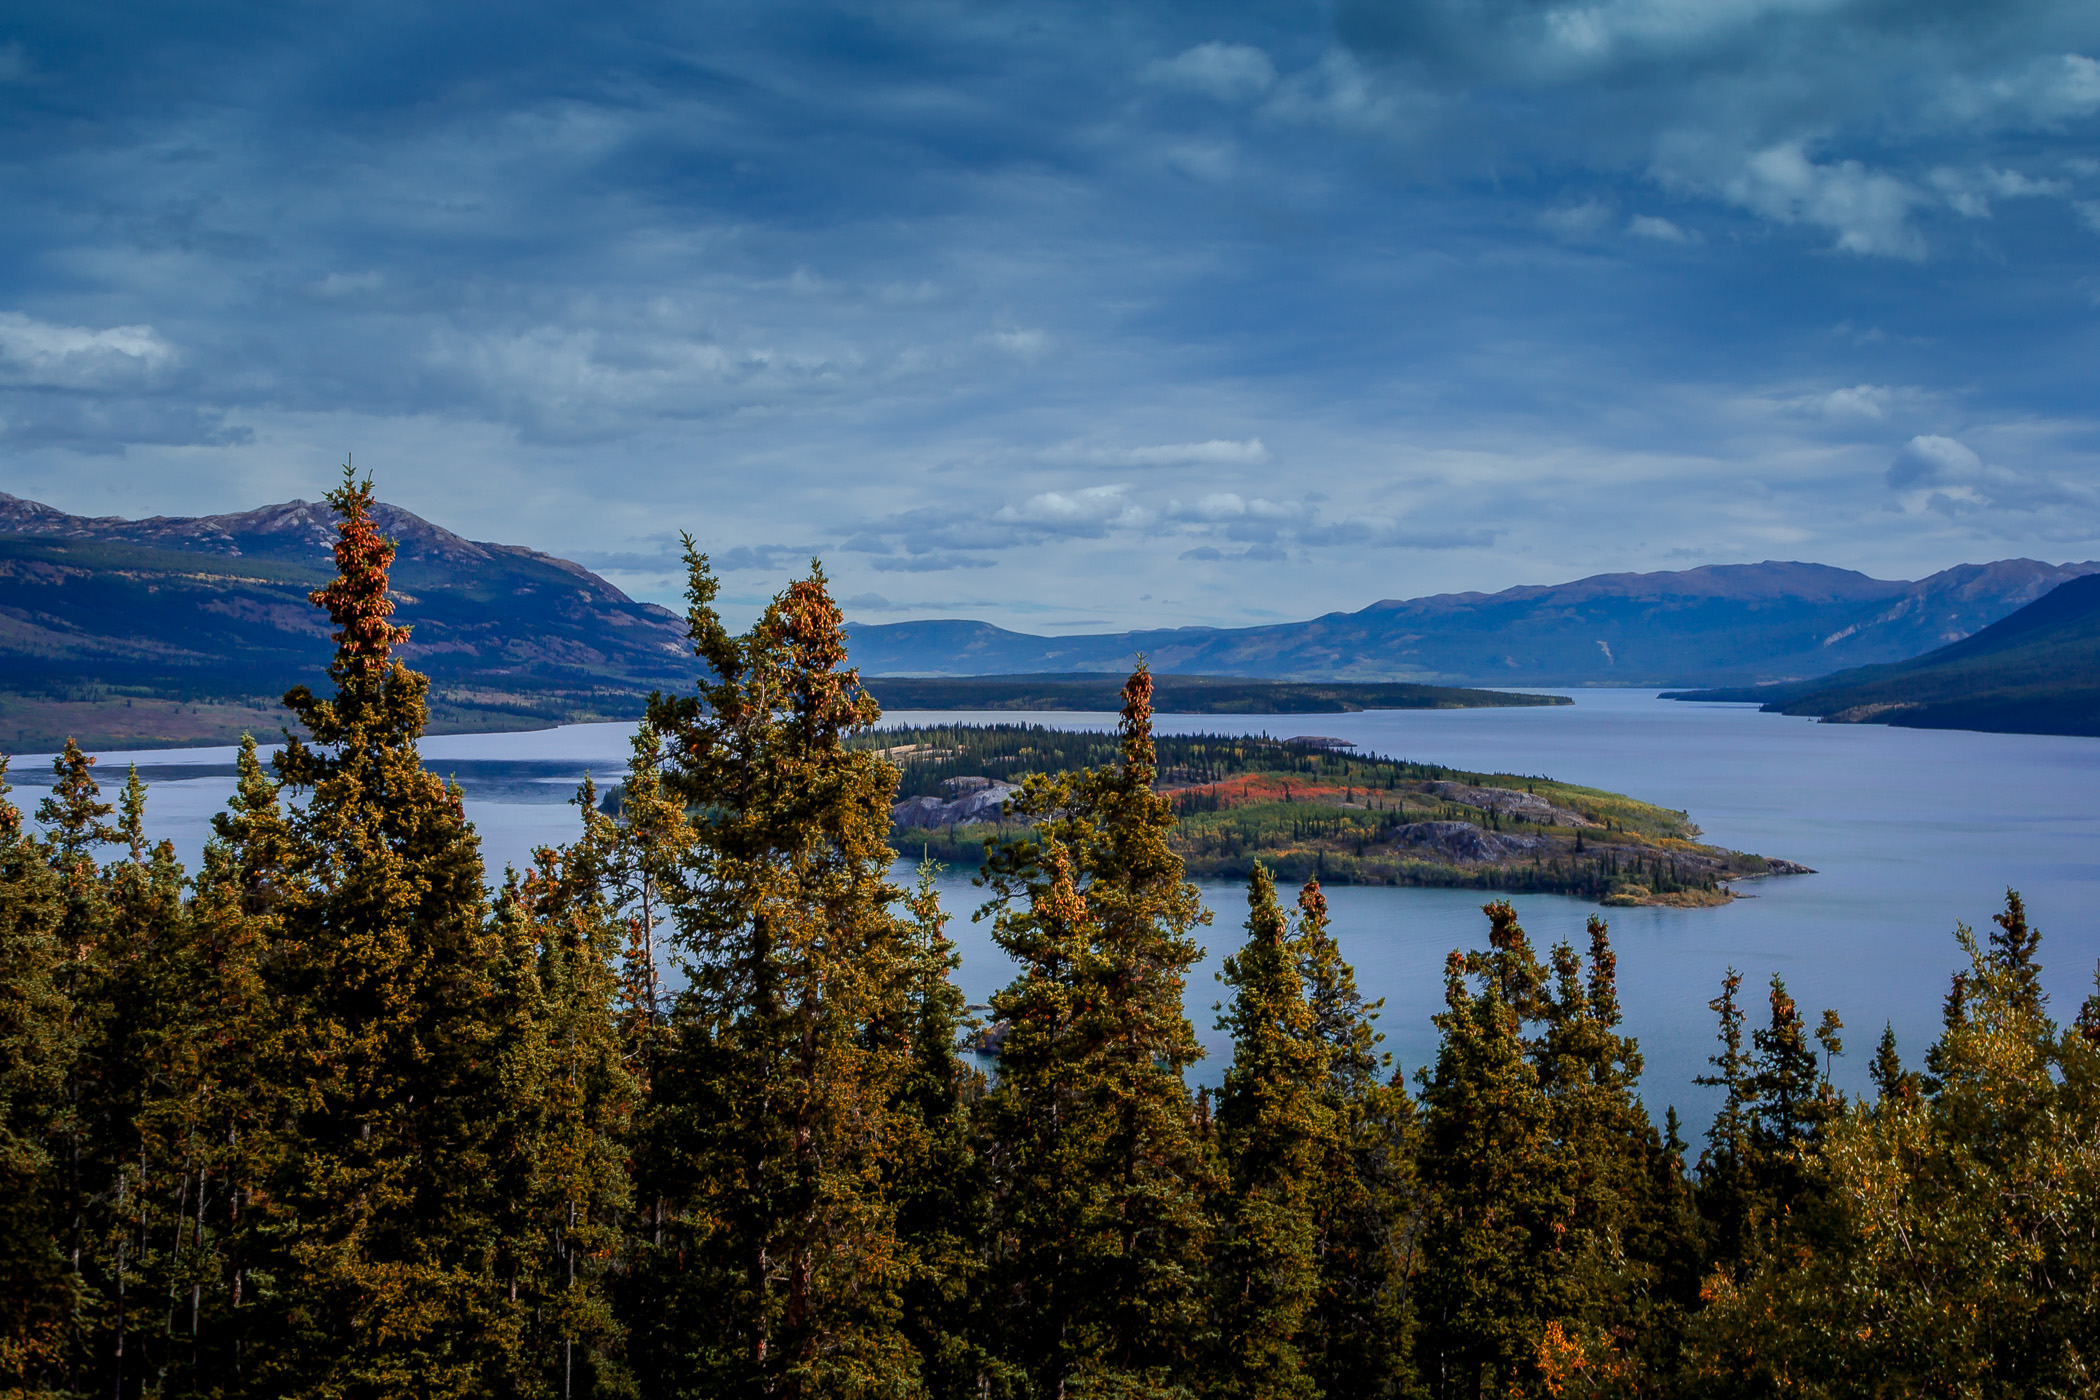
759,559
867,602
1252,554
1661,230
1226,72
1230,505
1969,192
1867,209
1947,476
1215,452
1930,458
1087,511
44,354
931,563
1379,532
1025,345
1584,220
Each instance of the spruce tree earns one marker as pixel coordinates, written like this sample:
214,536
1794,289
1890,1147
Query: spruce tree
570,1094
1275,1128
1366,1205
1099,1227
769,1112
375,1224
936,1175
36,1052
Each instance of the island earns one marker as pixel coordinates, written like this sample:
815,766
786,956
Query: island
1309,805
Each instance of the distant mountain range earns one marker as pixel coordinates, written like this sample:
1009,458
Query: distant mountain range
188,629
1725,624
173,629
2035,672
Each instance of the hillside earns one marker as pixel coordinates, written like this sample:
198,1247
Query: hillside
1717,625
2035,672
186,630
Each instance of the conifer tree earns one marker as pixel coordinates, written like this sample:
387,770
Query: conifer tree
571,1094
1099,1227
1539,1159
936,1176
36,1052
235,928
1366,1206
1275,1128
1958,1250
770,1106
375,1225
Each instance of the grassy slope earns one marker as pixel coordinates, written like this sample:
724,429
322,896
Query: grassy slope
1305,812
1188,695
2035,672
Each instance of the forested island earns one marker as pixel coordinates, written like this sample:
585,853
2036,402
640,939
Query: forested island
336,1115
1308,808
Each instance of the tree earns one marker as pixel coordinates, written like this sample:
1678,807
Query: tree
782,1275
1100,1177
1275,1128
375,1226
36,1052
1959,1250
571,1093
1540,1162
1366,1206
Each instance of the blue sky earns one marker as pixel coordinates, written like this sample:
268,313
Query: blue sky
1068,316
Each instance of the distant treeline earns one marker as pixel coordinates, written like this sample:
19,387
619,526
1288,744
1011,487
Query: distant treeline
1184,695
332,1116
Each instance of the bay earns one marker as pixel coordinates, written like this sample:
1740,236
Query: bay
1909,831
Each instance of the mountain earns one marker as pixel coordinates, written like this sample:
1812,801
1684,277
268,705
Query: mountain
2035,672
188,629
1717,625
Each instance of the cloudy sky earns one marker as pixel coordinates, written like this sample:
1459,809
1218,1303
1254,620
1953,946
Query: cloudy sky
1074,315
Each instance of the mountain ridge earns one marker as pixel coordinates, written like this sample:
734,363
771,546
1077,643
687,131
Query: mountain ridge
1717,624
2036,671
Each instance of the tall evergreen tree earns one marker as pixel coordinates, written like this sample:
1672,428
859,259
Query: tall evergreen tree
1366,1207
36,1052
1540,1160
376,1225
1099,1231
771,1105
1958,1251
936,1176
571,1094
1275,1127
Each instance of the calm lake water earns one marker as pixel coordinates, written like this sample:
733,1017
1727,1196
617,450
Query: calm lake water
1908,830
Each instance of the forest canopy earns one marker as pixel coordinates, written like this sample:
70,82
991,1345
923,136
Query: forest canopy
338,1115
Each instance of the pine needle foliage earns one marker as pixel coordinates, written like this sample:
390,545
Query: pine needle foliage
1275,1127
375,1224
1099,1231
784,1272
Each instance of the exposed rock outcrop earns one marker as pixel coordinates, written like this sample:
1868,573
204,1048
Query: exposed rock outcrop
1511,802
970,800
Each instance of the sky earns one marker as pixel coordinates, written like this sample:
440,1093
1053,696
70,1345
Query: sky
1073,316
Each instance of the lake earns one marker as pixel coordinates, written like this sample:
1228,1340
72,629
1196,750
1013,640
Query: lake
1909,831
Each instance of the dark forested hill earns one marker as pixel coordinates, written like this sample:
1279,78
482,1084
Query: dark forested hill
1187,695
186,630
2036,672
1723,624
